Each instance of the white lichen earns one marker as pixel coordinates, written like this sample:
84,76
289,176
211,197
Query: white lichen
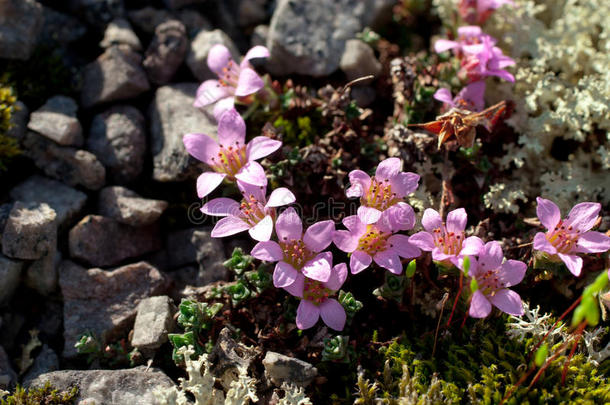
294,395
532,324
503,198
591,340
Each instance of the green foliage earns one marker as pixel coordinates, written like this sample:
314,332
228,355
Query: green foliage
336,349
350,304
298,132
9,147
47,395
239,261
115,354
588,308
393,288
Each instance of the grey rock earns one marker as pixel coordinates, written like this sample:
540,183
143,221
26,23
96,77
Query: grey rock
103,241
129,208
5,212
228,356
197,58
176,4
280,368
19,121
119,32
166,51
57,120
378,13
51,318
30,232
69,165
65,200
114,75
10,271
193,21
147,18
259,35
45,362
251,12
60,28
8,377
118,139
171,116
154,320
41,275
104,302
359,60
12,324
20,24
133,386
98,13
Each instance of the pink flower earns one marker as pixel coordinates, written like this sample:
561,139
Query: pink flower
233,80
255,212
478,11
446,241
471,97
297,252
384,192
467,35
485,59
568,237
493,276
316,301
374,242
230,158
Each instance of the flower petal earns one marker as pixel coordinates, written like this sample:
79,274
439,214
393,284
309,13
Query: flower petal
507,301
456,220
404,183
222,106
354,224
422,240
297,287
307,315
472,95
491,256
319,235
442,45
541,243
338,275
388,168
431,220
210,92
472,246
207,182
229,226
319,268
480,307
511,272
250,191
284,275
345,241
288,226
279,197
333,314
261,146
249,82
572,262
583,216
548,213
388,259
401,245
359,184
268,251
221,207
231,129
218,58
262,230
399,217
201,147
593,242
258,51
359,261
252,173
444,95
368,215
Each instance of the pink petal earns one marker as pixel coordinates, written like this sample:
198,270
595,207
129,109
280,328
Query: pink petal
359,261
388,168
473,270
338,275
444,95
491,256
404,183
359,184
297,287
422,240
469,31
431,220
261,146
307,315
388,259
231,129
222,106
507,301
456,220
471,246
207,182
210,92
572,262
252,173
583,216
473,95
401,245
268,251
262,230
249,82
319,267
288,226
221,207
354,224
511,272
319,235
229,226
593,242
480,307
345,241
333,314
399,217
368,215
439,256
284,275
201,147
541,243
442,45
257,52
218,58
280,197
548,213
502,74
251,191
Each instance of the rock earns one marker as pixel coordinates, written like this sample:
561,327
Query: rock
259,35
65,200
59,28
176,4
197,58
103,241
228,356
104,302
98,13
56,120
194,22
119,32
172,115
129,208
41,275
378,13
147,18
5,212
69,165
114,75
12,323
154,320
251,12
30,232
20,24
10,271
166,51
118,139
359,60
45,362
51,318
280,368
8,377
132,386
19,121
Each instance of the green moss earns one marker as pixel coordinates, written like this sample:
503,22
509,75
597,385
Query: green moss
46,395
298,132
9,147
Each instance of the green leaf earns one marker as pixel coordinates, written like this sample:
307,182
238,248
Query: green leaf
411,267
541,355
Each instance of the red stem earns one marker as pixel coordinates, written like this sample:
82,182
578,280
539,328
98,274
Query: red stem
457,297
579,331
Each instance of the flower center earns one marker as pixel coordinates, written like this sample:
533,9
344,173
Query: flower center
230,159
230,74
296,253
315,292
563,238
379,195
252,210
450,243
373,240
489,282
